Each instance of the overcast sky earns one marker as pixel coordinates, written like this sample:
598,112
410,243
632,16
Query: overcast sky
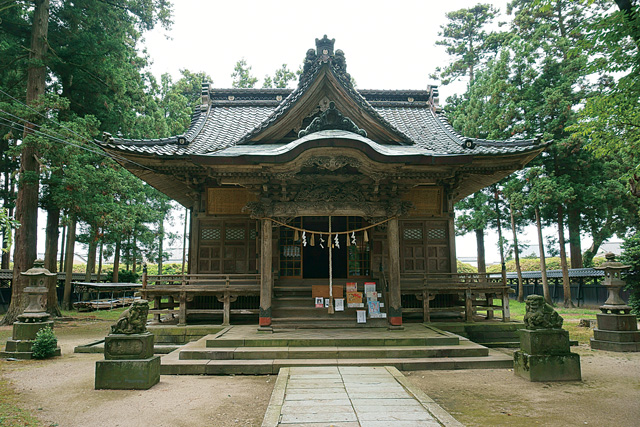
387,45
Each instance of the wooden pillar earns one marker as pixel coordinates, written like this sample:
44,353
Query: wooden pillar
266,275
395,303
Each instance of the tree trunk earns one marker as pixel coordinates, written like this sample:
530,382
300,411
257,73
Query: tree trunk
516,255
7,203
116,262
27,199
575,248
91,255
50,259
503,268
543,261
160,244
68,268
134,255
63,246
482,263
100,262
566,284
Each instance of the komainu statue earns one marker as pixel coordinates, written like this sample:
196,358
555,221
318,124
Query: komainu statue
541,315
133,320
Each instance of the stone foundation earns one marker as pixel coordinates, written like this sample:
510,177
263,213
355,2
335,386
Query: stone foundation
127,374
544,355
616,332
129,363
21,342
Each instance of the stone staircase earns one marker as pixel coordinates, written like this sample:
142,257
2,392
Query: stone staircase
293,307
244,350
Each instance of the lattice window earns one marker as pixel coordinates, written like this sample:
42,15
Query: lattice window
234,233
413,233
252,234
437,234
290,251
210,234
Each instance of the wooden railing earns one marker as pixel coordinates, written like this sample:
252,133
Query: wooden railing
475,291
174,291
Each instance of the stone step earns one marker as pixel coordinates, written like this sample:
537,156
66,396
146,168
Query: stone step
171,365
274,341
397,352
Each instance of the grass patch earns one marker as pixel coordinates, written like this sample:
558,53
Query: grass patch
95,315
11,415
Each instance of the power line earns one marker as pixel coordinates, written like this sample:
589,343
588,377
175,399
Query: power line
53,138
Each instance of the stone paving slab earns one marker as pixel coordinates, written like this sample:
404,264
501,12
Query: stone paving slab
350,396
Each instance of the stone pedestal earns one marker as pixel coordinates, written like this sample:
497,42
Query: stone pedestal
544,355
616,332
129,363
19,346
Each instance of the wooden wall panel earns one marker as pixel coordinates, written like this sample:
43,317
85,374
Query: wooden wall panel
427,201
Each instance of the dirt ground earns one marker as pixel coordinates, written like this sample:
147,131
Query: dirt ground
60,392
609,394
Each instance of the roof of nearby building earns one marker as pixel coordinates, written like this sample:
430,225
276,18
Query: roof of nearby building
552,274
396,119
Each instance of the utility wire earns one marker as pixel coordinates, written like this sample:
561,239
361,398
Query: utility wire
105,154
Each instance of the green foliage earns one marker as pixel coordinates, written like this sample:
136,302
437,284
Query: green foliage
463,267
241,75
173,268
6,225
45,344
124,276
280,79
466,41
631,256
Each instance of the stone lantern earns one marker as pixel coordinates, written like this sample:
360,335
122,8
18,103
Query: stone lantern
34,316
617,328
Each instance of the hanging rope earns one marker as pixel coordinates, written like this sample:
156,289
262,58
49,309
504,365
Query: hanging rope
331,310
304,230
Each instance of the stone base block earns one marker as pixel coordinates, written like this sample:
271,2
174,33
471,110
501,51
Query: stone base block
540,367
128,347
27,331
21,349
616,336
617,322
614,346
127,374
544,341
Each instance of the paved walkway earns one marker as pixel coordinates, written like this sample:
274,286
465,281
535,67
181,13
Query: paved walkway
351,397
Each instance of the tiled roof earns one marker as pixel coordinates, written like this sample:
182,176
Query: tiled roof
552,274
232,117
226,123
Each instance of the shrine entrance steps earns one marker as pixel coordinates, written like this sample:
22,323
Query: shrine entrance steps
244,350
293,306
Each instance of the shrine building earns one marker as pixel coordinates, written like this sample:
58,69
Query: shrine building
322,184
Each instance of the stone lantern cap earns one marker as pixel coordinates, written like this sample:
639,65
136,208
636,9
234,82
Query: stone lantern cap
612,264
37,270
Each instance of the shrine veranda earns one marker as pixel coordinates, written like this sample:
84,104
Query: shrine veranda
293,190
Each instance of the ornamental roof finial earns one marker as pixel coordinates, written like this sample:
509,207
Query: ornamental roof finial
324,46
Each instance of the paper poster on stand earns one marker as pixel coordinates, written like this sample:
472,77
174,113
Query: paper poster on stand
361,316
369,287
354,300
326,303
319,302
339,304
352,287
